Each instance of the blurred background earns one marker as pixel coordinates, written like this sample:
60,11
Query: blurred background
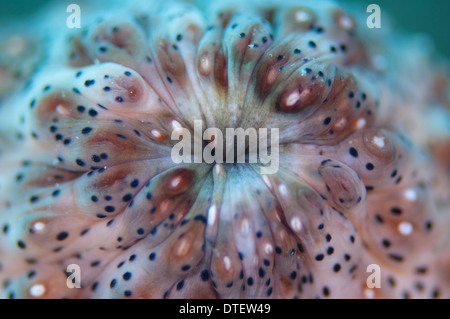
416,16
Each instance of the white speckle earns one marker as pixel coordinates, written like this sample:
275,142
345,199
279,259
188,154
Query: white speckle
227,263
411,194
268,249
176,126
205,62
293,98
61,109
361,123
165,205
301,16
212,213
183,247
218,169
340,123
369,293
296,224
405,228
379,141
175,182
156,133
283,190
37,290
346,23
38,226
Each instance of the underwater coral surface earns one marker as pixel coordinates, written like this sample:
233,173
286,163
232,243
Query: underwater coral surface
88,180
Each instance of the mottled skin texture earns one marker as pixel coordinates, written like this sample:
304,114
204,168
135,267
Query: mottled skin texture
86,176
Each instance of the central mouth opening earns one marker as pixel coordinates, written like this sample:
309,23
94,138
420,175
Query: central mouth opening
233,146
233,150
